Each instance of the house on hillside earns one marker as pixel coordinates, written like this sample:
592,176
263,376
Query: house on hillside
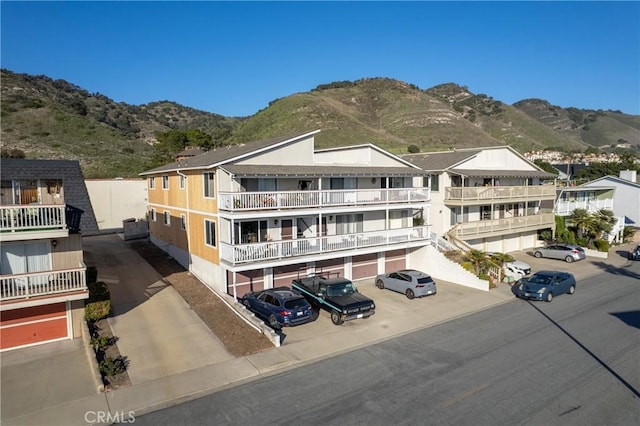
44,206
626,197
254,216
491,199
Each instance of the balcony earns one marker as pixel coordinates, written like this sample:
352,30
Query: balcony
248,201
24,286
474,195
496,227
29,221
565,207
248,253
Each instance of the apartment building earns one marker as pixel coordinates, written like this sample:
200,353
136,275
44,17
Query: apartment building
43,206
491,199
254,216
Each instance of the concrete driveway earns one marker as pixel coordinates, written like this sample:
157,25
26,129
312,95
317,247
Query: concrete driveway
157,330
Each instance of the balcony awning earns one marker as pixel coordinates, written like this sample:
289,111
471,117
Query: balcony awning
504,173
319,171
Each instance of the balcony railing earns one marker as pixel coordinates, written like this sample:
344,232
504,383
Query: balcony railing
22,286
32,218
564,208
494,227
476,194
242,201
244,253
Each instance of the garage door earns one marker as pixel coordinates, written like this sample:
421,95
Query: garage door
36,324
283,275
246,281
395,260
331,267
364,266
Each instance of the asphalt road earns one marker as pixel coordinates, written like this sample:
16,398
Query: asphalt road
574,361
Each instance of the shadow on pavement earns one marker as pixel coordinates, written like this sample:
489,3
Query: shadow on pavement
614,270
631,318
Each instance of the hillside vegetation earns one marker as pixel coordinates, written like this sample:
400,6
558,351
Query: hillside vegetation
46,118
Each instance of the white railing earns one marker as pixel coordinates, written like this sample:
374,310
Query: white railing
499,193
243,253
441,244
32,218
564,208
20,286
504,226
240,201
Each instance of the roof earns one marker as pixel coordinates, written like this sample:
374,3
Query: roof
614,179
503,173
319,171
219,156
584,188
440,161
75,189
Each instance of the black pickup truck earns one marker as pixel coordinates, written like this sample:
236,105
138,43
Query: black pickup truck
339,296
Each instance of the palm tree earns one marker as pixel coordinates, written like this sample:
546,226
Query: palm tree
478,259
603,221
501,259
582,220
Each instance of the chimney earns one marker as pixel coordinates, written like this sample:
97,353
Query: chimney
629,175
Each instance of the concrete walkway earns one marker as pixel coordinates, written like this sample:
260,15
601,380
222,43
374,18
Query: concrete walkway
151,319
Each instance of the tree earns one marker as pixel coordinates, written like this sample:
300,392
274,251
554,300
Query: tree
547,167
501,259
478,259
582,220
603,221
172,142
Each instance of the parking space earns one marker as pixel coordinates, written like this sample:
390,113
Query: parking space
396,314
580,269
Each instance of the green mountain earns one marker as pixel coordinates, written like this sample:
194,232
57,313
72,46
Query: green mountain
601,129
48,118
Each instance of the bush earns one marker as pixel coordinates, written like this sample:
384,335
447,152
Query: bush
100,343
112,366
602,245
413,149
98,291
96,311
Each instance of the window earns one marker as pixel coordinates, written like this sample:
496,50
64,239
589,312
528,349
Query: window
210,233
165,182
167,218
153,215
183,222
435,183
152,183
209,185
349,223
182,181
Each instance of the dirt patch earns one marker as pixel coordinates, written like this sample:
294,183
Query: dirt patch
236,335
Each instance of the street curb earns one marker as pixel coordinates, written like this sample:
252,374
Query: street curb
91,356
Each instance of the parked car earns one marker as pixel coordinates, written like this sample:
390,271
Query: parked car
545,285
280,307
517,268
635,253
410,282
567,252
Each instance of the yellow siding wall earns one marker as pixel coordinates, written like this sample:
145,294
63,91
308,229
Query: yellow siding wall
174,201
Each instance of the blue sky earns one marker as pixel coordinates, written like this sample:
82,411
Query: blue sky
233,58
